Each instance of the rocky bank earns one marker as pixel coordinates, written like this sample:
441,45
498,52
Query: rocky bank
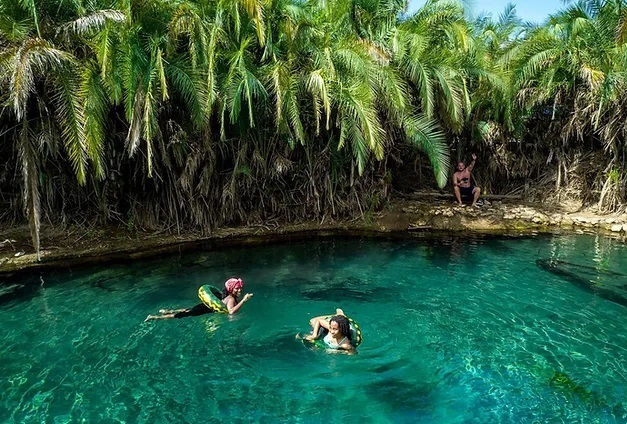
74,246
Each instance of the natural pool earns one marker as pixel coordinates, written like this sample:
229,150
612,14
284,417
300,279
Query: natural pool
455,330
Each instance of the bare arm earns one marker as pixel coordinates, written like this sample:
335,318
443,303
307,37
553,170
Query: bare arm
346,346
316,323
342,349
472,164
233,307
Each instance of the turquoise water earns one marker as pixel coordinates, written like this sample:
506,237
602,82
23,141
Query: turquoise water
455,331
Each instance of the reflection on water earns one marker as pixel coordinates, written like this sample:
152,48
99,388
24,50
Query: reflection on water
593,267
454,330
606,284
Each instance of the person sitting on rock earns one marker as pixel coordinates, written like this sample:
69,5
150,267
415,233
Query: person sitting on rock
463,183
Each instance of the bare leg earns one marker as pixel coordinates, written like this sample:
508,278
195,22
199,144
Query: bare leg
170,315
458,195
171,311
151,317
477,192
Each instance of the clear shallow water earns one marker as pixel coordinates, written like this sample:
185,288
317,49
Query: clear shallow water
455,331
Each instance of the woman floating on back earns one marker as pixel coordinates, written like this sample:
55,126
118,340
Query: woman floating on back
228,302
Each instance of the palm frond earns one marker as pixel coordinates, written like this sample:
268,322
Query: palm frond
356,101
420,75
135,120
94,22
352,61
186,23
621,28
448,83
12,28
149,123
317,86
425,135
96,106
160,71
393,92
29,6
536,63
215,37
187,81
71,114
29,61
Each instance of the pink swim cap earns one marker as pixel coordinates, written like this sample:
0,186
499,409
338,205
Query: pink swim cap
233,283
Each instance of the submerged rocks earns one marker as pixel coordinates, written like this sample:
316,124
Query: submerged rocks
10,291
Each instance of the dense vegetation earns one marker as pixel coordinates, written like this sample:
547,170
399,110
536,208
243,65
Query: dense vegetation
193,114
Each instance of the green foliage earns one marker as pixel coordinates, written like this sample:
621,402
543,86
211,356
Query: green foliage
614,175
323,90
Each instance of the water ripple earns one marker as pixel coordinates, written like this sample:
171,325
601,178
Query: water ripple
456,331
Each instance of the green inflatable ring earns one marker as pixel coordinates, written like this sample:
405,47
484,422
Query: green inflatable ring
355,334
210,296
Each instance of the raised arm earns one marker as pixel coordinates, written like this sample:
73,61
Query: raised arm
316,323
233,307
472,164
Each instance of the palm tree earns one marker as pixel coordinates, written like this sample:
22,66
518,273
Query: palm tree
574,67
221,102
39,76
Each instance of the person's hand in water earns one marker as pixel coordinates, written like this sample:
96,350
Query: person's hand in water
338,311
247,296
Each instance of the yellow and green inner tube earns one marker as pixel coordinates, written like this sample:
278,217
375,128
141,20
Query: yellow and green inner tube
355,333
210,296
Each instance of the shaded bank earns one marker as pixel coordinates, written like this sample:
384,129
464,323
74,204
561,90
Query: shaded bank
332,106
402,218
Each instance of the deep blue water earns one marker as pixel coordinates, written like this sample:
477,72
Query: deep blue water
455,331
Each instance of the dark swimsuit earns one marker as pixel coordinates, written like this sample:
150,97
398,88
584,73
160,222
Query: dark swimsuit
194,312
197,310
466,191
